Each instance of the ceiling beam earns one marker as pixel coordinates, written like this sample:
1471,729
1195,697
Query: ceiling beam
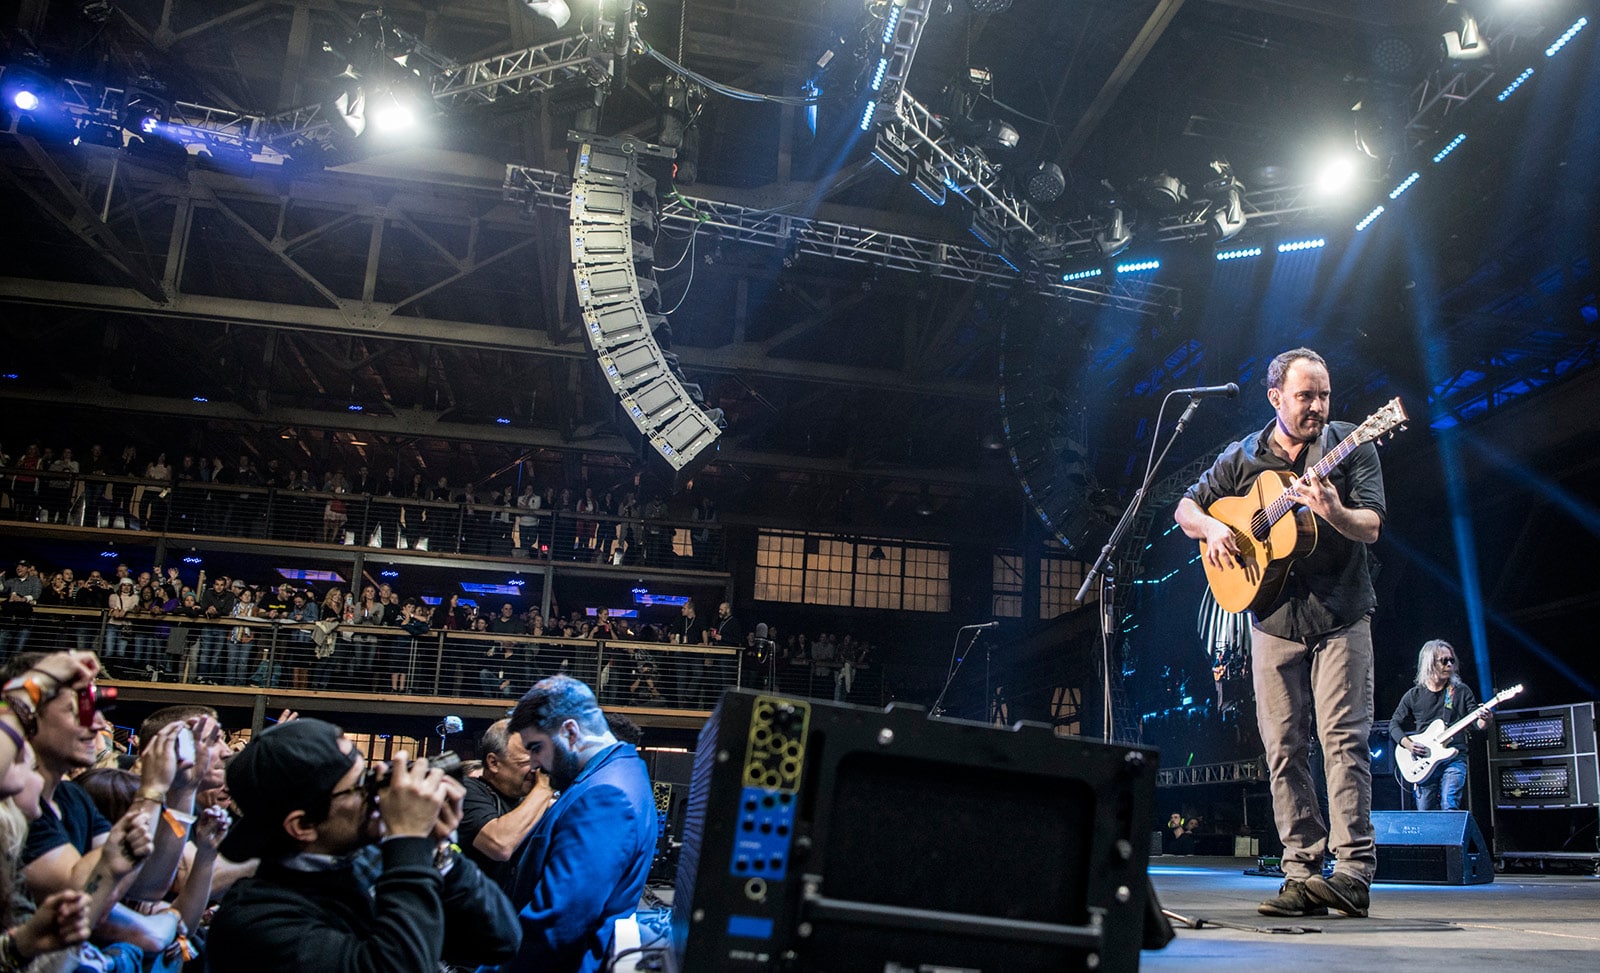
1154,26
748,361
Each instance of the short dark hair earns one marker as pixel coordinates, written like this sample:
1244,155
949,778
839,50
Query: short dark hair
552,702
19,664
1280,365
157,721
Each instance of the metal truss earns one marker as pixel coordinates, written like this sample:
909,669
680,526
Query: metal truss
1453,84
520,73
856,244
1230,771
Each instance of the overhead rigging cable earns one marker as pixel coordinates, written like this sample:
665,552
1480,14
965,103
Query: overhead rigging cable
729,91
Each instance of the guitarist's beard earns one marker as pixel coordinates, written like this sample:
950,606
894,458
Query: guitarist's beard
1296,435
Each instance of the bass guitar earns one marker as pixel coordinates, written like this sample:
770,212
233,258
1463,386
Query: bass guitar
1418,769
1269,541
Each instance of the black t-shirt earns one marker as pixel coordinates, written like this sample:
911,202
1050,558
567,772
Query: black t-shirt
1421,706
481,805
1332,586
79,824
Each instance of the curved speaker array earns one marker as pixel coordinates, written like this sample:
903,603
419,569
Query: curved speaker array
610,196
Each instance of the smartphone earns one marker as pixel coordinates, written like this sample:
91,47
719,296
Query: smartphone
186,745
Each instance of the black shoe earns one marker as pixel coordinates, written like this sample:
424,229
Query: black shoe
1339,891
1293,899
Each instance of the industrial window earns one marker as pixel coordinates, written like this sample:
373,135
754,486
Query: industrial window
854,572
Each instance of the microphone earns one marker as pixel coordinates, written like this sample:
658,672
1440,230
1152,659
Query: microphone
984,625
1231,390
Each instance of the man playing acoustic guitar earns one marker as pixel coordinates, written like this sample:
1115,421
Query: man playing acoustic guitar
1311,647
1439,694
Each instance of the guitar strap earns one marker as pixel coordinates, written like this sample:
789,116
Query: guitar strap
1314,451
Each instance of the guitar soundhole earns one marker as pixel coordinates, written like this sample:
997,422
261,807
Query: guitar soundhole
1259,528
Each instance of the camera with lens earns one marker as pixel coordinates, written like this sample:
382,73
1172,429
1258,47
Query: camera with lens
377,778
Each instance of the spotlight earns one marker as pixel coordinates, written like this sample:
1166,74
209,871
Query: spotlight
1135,266
1046,182
1116,236
25,90
1465,42
25,100
1336,175
392,113
996,136
1227,218
1162,191
555,11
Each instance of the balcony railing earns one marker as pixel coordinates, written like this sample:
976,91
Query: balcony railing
277,514
391,662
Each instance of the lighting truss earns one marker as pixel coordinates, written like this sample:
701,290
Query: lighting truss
902,33
524,72
855,244
1450,86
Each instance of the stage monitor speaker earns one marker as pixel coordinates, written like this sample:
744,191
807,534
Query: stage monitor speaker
825,836
1431,848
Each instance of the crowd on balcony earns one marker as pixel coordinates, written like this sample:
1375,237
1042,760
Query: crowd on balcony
511,514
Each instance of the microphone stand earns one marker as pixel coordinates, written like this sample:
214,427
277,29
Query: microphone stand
1108,622
956,661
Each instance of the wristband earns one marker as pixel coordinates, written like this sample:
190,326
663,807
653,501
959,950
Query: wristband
29,685
154,795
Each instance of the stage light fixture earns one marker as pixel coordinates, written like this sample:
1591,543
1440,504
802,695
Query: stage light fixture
990,6
26,90
1366,221
1138,266
930,182
1227,219
1450,147
867,115
1295,246
1242,253
1405,184
1464,41
1337,174
1115,237
1162,191
1077,275
1046,182
996,136
25,100
555,11
392,112
1568,35
1515,84
890,150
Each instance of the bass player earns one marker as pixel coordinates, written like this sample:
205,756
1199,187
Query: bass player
1439,694
1311,648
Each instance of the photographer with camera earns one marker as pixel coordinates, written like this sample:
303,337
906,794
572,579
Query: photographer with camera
358,872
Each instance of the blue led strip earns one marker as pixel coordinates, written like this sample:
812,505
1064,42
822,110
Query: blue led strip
1366,221
1515,84
1405,184
1570,33
1449,148
1298,245
1239,254
1138,265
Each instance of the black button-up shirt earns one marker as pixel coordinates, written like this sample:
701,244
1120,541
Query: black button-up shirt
1332,586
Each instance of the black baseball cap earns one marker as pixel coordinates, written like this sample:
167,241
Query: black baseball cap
289,767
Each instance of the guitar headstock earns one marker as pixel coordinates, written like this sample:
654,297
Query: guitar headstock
1380,423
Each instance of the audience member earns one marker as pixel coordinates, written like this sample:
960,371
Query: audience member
502,804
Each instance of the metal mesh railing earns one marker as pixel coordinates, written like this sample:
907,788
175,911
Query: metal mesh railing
188,507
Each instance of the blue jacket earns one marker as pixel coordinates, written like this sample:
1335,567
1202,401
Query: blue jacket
584,865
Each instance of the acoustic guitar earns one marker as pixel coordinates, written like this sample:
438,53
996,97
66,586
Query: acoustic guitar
1272,530
1416,769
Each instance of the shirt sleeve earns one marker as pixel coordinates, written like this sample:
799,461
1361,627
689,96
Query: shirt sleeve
1365,481
478,808
1225,478
1403,719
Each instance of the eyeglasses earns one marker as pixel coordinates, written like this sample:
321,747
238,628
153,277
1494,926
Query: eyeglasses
1447,662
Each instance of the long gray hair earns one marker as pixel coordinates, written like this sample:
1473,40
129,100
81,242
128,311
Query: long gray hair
1429,655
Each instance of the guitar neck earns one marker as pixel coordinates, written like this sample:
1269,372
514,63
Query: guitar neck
1320,469
1478,713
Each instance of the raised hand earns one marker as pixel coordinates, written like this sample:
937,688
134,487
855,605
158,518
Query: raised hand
409,805
128,844
210,827
159,764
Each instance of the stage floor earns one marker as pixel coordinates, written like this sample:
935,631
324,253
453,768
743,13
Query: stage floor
1543,922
